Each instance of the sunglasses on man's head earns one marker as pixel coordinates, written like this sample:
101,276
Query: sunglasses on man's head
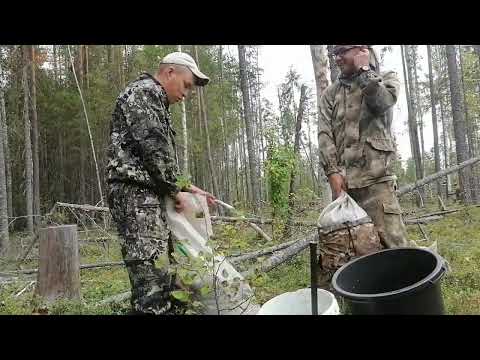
342,49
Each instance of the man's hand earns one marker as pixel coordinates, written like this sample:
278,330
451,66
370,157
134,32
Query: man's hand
210,198
337,184
361,59
181,201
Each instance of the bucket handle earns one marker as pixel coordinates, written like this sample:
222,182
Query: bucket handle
440,273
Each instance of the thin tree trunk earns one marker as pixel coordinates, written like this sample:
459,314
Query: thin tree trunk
28,146
35,137
320,68
222,123
6,150
470,133
413,111
445,146
4,206
207,139
433,99
55,64
296,152
184,133
459,126
333,65
248,127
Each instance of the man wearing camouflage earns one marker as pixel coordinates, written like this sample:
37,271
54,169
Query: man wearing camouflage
355,138
142,171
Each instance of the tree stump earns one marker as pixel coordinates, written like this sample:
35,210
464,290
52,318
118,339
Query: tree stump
59,263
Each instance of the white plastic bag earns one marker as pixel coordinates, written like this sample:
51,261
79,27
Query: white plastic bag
192,228
343,209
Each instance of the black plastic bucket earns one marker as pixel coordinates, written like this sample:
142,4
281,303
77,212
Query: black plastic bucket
393,281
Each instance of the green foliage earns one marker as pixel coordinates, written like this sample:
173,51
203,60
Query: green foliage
279,166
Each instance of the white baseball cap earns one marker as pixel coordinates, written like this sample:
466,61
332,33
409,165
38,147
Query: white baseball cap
181,58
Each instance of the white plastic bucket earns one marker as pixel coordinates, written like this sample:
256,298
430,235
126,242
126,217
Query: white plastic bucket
300,303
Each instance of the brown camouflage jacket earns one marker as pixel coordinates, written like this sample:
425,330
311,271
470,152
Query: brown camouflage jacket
355,121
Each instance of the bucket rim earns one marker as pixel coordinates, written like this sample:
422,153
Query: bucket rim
419,285
330,295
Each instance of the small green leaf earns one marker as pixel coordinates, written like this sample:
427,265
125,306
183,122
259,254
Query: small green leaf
181,295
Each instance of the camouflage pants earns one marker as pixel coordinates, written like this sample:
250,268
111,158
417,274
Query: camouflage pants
145,242
381,204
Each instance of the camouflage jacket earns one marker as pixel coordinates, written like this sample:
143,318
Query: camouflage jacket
355,128
142,148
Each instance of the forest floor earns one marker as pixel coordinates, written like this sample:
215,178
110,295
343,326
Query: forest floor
457,236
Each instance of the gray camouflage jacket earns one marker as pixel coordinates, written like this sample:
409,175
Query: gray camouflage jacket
142,148
355,121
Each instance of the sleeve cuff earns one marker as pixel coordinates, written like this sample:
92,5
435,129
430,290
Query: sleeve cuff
368,81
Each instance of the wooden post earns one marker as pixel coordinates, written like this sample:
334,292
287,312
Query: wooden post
59,263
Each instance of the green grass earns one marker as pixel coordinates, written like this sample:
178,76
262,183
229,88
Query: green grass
457,236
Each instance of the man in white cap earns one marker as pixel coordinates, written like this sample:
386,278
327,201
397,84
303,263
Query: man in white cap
141,171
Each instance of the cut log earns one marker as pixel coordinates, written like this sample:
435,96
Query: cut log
59,263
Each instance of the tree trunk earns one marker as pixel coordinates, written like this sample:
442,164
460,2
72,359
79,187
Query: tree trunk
296,153
445,146
469,123
459,126
333,65
207,139
433,99
35,136
6,150
59,264
4,239
222,123
184,133
414,49
248,127
320,68
412,116
28,146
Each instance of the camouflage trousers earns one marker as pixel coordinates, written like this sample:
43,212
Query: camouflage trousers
381,204
146,242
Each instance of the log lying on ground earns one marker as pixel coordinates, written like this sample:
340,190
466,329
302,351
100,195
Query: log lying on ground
423,220
83,207
260,221
116,298
82,267
282,256
405,189
254,254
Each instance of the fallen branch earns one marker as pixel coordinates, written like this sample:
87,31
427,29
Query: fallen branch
25,288
408,188
252,225
260,231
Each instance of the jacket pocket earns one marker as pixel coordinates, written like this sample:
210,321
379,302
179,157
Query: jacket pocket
378,154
